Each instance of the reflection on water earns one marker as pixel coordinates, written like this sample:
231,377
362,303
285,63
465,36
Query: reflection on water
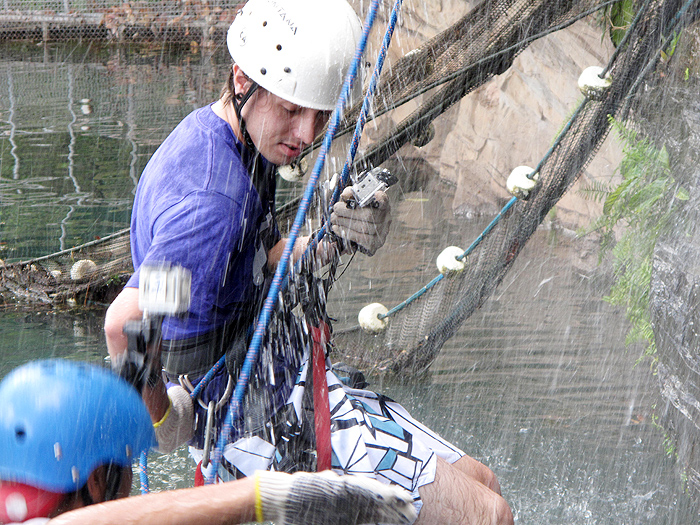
537,384
77,125
26,335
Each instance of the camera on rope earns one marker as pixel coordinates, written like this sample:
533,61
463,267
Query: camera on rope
366,185
361,194
164,290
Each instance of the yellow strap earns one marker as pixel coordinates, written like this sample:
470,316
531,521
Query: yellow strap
258,500
165,416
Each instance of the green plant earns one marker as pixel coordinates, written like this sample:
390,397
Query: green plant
667,53
616,19
635,212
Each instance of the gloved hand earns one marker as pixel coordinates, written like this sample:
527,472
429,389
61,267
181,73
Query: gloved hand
325,498
177,426
366,227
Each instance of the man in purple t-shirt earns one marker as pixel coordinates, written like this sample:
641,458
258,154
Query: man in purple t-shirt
206,202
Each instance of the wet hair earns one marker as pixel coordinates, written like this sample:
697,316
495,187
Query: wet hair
113,480
227,90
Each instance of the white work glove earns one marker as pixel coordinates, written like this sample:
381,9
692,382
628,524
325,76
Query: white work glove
325,498
366,227
177,426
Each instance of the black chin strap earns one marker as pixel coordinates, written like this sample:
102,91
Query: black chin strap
239,100
260,172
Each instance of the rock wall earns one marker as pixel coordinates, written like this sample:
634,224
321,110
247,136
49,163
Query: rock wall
672,117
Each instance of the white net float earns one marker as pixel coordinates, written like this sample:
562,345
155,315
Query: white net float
447,261
82,269
591,84
295,171
369,318
521,182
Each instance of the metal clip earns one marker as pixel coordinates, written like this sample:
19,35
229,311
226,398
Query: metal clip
208,433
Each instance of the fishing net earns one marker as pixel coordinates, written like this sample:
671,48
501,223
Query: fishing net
479,46
416,334
443,70
94,272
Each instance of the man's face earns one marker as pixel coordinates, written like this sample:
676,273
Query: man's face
280,129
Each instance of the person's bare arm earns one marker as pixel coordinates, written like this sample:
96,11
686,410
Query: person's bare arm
224,503
323,251
125,307
311,498
275,253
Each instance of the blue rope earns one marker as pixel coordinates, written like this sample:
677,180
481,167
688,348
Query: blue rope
559,138
488,228
362,119
203,382
143,473
277,282
439,278
415,296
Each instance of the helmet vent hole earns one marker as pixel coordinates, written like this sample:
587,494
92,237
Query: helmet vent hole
279,47
20,434
263,71
287,70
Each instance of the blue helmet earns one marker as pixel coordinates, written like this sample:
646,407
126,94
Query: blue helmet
59,420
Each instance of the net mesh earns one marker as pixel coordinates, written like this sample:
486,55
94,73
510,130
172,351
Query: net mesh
93,272
417,333
480,45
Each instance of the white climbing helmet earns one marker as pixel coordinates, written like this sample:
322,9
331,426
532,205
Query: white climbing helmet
299,50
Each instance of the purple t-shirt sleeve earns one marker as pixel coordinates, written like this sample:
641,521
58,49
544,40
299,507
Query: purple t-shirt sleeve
202,233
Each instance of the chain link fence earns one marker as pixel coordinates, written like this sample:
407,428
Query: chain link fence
200,21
